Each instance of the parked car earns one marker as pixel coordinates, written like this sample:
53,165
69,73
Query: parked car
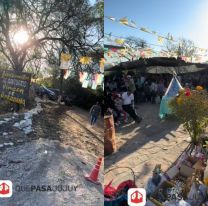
48,93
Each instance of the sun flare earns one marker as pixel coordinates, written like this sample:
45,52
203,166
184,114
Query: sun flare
21,37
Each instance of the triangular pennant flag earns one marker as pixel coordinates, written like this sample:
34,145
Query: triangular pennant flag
65,57
85,83
82,76
124,21
102,64
154,32
144,30
132,24
65,61
160,39
94,85
119,41
111,18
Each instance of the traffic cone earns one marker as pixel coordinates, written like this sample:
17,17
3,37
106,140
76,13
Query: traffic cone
93,177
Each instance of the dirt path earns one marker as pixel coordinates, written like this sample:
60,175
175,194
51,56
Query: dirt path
62,149
142,146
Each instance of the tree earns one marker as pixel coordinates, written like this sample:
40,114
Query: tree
64,23
135,42
183,47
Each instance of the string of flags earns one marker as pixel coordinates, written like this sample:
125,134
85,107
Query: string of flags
91,80
124,53
126,22
66,65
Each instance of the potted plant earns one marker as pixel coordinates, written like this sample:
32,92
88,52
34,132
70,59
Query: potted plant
191,108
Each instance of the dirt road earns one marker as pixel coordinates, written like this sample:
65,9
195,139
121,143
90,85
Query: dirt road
142,146
62,148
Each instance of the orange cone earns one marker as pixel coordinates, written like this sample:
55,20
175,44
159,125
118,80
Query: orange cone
93,177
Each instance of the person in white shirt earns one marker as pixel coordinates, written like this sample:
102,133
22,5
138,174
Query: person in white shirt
128,104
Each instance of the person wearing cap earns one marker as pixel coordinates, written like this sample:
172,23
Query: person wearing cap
128,104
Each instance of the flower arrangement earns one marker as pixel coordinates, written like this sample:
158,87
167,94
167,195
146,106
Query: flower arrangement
191,108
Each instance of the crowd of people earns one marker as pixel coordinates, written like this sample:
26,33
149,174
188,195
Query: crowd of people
123,91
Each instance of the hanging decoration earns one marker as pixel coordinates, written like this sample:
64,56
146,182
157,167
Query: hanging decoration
67,73
160,39
102,64
119,41
124,21
85,60
132,24
65,61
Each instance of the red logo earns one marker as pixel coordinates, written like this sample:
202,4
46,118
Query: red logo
136,197
5,188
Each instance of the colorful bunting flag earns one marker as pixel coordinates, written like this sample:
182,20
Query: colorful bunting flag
94,86
119,41
133,24
111,18
144,30
102,64
83,76
85,60
124,21
67,73
160,39
85,83
65,57
65,61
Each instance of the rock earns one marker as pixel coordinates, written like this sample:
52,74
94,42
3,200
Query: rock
28,130
9,144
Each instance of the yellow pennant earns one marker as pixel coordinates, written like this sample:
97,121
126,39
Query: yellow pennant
124,21
160,39
85,60
65,57
119,41
102,63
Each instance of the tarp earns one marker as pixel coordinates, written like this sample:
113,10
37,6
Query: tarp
171,92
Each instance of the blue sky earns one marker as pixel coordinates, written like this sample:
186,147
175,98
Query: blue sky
181,18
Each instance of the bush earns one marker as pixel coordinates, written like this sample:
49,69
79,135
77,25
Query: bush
82,97
191,108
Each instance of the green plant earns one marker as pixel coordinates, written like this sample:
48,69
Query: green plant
191,108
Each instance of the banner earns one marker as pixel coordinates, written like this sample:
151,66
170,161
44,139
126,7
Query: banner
14,86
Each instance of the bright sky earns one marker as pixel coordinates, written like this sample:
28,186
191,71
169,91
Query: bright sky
181,18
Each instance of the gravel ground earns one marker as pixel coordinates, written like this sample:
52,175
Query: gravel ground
60,151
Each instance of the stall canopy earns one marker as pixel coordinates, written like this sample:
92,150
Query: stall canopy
159,65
